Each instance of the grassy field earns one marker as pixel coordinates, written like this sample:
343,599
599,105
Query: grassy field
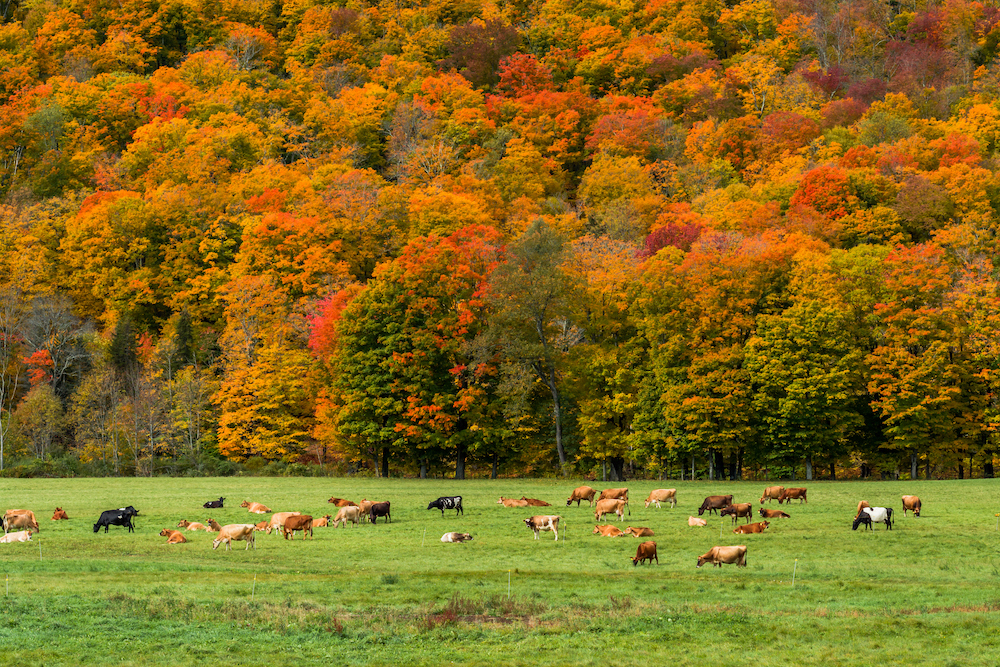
925,593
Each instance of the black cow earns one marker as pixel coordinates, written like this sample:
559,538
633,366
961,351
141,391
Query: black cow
447,503
119,517
379,509
213,504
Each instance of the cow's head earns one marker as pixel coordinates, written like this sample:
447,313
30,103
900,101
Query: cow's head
433,505
701,561
860,519
766,524
701,510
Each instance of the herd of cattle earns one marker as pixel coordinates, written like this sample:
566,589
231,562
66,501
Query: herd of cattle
18,524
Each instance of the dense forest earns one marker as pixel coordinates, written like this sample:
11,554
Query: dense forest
468,238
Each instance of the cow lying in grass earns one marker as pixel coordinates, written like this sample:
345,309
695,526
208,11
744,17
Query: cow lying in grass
173,536
456,537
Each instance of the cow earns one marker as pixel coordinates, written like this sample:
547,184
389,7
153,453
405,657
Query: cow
876,514
639,532
911,503
214,504
861,505
535,502
235,531
661,496
303,522
771,493
788,495
862,518
646,552
379,509
613,494
773,514
758,527
718,556
695,521
184,523
119,517
607,531
262,526
714,504
512,502
173,536
340,502
255,508
542,522
19,536
582,493
322,522
456,537
278,520
213,526
738,510
611,506
350,513
59,514
447,503
20,519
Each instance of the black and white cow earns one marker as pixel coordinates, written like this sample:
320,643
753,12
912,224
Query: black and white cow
119,517
213,504
447,503
873,514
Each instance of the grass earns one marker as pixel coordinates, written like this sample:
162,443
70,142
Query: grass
924,593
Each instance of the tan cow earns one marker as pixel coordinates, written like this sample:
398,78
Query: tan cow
366,505
911,503
213,526
512,502
456,537
321,522
613,494
861,505
301,522
738,510
350,513
773,514
611,506
758,527
184,523
19,536
341,502
788,495
59,514
278,520
582,493
542,522
771,493
173,536
695,521
608,531
639,531
262,526
718,556
661,496
20,519
255,508
535,502
235,531
646,552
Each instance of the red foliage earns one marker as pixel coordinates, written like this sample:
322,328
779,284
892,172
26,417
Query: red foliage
859,157
829,82
842,112
521,74
787,130
826,190
39,367
161,106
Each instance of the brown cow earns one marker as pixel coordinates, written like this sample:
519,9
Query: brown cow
542,522
718,556
278,520
738,510
714,504
184,523
582,493
608,531
911,503
535,502
758,527
771,493
611,506
262,526
19,519
638,531
792,494
773,514
213,526
861,505
380,509
340,502
512,502
350,513
614,494
646,552
173,536
235,531
255,508
59,514
322,522
301,522
661,496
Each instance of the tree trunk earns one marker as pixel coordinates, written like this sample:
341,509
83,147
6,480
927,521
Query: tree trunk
988,465
809,470
927,470
617,468
739,462
711,465
961,471
833,470
720,465
733,464
913,465
385,461
460,461
692,468
496,464
557,415
423,468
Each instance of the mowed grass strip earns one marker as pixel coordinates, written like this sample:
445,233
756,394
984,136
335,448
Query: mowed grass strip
394,594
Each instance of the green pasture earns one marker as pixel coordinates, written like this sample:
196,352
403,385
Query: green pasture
925,593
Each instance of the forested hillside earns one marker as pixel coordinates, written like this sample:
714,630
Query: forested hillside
516,238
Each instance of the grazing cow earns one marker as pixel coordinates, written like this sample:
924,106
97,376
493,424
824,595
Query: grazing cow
379,509
322,522
456,537
861,505
184,523
213,526
788,495
278,520
874,514
19,536
695,521
646,552
608,531
611,506
714,504
19,519
262,526
758,527
340,502
447,503
638,531
911,503
214,504
235,531
59,514
535,502
303,522
543,522
350,513
582,493
771,493
613,494
512,502
173,536
661,496
773,514
119,517
255,508
718,556
738,510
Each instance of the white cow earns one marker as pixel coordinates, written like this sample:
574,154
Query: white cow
19,536
543,522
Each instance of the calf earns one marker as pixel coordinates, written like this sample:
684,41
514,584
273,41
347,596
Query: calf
611,506
608,531
614,494
119,517
738,510
301,522
322,522
59,514
718,556
173,536
714,504
340,502
214,504
447,503
255,508
184,523
379,509
512,502
661,496
695,521
278,520
773,514
771,493
20,519
542,522
350,513
639,531
214,527
758,527
582,493
19,536
911,503
456,537
235,531
788,495
645,552
535,502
